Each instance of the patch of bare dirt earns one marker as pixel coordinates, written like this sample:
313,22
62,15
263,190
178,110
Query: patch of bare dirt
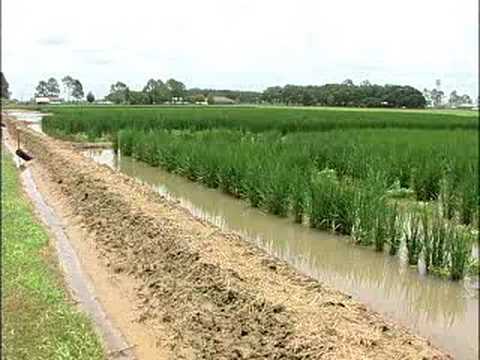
215,295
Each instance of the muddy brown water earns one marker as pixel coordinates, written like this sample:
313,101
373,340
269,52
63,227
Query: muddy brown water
443,311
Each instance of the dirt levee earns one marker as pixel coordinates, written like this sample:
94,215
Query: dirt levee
219,296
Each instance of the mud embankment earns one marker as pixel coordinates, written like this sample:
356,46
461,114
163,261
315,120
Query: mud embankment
216,296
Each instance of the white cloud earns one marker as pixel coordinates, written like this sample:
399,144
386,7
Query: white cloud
53,40
244,44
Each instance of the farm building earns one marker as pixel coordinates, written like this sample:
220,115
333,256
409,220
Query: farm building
48,100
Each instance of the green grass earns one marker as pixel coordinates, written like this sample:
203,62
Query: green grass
38,321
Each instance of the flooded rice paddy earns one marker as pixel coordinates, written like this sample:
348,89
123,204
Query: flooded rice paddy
445,312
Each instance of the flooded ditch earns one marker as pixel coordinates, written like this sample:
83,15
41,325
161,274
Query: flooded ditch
445,312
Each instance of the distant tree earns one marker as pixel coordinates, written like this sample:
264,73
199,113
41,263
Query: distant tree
437,97
243,97
119,93
53,88
77,90
210,100
137,98
454,99
67,82
348,82
346,94
177,88
42,89
427,94
90,97
272,94
5,94
466,99
405,96
156,92
291,94
307,96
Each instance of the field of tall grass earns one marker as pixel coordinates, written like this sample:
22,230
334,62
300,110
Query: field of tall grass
97,121
391,180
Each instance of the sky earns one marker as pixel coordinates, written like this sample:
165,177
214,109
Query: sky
242,44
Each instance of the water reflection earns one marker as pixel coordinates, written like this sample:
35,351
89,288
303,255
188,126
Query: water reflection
444,311
32,118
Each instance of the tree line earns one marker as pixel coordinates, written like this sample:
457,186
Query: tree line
73,88
154,92
173,91
436,98
346,94
159,92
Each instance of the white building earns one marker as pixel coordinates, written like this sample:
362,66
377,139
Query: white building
42,100
48,100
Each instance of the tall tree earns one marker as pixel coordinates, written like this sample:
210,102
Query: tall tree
5,94
67,82
119,93
454,99
156,92
137,98
466,99
77,89
273,94
53,88
437,97
90,97
41,89
427,94
177,88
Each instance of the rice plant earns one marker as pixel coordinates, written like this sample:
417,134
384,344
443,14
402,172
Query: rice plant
300,194
324,192
439,234
380,231
394,225
412,238
427,239
460,246
447,196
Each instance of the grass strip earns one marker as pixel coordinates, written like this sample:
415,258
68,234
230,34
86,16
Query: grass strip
38,319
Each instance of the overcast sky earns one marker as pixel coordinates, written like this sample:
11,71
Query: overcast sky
242,44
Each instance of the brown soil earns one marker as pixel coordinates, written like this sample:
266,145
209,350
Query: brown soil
204,293
116,291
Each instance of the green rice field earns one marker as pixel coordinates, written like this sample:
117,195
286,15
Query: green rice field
391,180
